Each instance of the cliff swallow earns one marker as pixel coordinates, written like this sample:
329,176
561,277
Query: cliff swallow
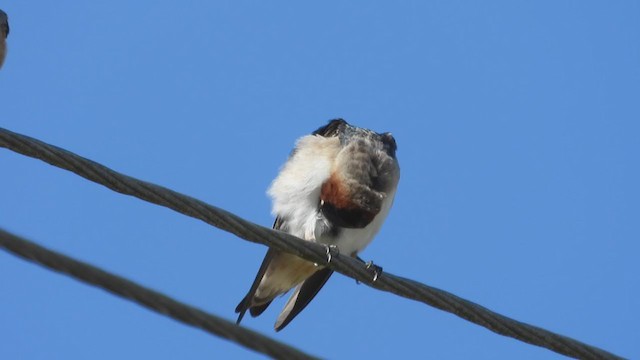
335,189
4,32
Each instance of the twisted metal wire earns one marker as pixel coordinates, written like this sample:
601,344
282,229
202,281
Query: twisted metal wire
148,298
316,253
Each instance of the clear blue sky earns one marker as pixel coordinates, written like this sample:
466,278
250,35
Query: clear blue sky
518,137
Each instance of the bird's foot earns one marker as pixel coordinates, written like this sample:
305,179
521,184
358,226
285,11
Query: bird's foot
329,249
377,270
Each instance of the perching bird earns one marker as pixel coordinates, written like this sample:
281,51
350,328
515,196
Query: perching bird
335,189
4,32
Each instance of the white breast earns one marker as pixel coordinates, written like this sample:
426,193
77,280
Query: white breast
296,190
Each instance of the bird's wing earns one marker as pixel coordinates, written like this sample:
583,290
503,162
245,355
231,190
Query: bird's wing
278,273
303,295
247,302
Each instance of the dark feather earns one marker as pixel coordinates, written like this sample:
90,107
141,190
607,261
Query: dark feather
333,128
354,218
304,293
257,310
247,302
4,23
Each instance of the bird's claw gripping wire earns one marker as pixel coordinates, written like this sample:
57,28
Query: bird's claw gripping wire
377,270
329,249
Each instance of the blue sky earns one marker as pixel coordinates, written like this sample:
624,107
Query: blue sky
517,126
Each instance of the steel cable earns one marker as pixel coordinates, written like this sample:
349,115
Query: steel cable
316,253
148,298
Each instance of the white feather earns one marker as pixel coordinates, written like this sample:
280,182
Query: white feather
296,190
